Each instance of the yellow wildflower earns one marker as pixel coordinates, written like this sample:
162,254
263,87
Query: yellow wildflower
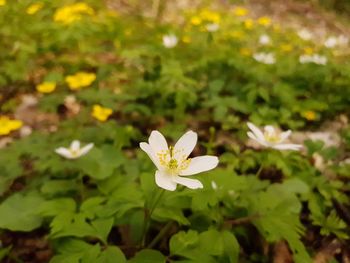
46,87
80,80
33,8
7,125
2,2
240,11
237,34
71,13
308,50
100,113
186,39
248,23
196,20
246,52
264,21
309,115
286,47
210,16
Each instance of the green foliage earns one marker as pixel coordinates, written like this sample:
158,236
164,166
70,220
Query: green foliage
105,206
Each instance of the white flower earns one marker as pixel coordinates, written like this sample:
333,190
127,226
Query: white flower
266,58
74,151
264,40
271,138
173,163
169,41
212,27
305,34
315,58
331,42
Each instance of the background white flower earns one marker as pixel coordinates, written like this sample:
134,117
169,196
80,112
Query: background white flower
305,34
266,58
315,58
271,137
332,42
74,151
173,163
212,27
170,41
264,40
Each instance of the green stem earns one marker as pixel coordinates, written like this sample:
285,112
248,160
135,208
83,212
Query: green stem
148,215
159,236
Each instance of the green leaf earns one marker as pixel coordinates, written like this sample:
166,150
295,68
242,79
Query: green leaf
111,254
170,213
231,246
148,256
20,213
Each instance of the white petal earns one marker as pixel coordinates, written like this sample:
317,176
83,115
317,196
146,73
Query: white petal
257,132
165,181
201,164
190,183
185,145
253,137
147,149
270,129
285,135
294,147
86,149
64,152
157,142
75,145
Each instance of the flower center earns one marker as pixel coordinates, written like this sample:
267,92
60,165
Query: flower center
272,137
172,161
74,153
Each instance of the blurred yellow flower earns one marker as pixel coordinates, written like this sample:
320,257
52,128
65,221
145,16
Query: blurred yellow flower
245,52
80,80
240,11
286,47
46,87
100,113
237,34
33,8
308,50
248,23
186,39
196,20
264,21
7,125
2,2
309,115
210,16
70,13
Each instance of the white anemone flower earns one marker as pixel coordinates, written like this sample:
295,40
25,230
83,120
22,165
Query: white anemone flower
315,58
170,41
265,58
271,138
212,27
264,40
173,164
331,42
74,151
305,34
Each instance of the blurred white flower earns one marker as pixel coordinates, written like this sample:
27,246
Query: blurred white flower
173,164
315,58
212,27
271,137
333,41
170,41
305,34
214,185
264,40
74,151
266,58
